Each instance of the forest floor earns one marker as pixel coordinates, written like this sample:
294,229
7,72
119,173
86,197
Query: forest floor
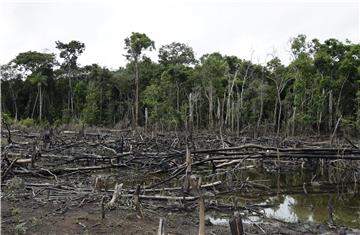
48,181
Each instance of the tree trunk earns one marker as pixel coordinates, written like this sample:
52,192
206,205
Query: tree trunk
177,97
191,111
36,100
261,106
136,92
275,112
14,101
211,107
293,121
330,110
40,101
279,115
71,94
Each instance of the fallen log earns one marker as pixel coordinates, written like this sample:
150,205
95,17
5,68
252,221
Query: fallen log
59,171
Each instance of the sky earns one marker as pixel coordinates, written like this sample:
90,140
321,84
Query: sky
247,29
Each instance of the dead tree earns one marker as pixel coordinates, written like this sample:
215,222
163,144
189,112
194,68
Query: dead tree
236,225
196,189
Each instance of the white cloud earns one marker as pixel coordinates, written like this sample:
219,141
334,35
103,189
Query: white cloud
230,27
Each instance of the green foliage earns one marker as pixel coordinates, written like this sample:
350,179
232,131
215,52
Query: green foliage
70,52
176,53
34,61
5,117
136,43
90,113
27,122
320,85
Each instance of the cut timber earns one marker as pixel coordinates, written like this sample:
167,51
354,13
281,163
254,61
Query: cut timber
195,188
103,207
8,169
24,161
60,171
161,229
158,197
117,191
236,225
101,182
136,200
188,163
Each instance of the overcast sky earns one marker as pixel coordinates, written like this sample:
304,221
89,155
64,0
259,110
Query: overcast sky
228,26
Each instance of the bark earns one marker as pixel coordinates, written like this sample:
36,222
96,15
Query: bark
40,101
36,100
136,92
261,106
279,114
330,110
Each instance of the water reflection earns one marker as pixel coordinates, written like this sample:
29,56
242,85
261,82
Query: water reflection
314,208
284,211
305,208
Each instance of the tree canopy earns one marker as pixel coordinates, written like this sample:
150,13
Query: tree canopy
319,88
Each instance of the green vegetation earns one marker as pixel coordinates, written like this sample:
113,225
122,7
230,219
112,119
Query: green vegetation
318,89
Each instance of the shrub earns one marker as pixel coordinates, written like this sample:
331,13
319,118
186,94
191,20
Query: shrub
7,118
27,122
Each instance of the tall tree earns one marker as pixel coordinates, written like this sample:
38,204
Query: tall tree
134,45
40,66
70,52
176,53
10,74
39,80
278,76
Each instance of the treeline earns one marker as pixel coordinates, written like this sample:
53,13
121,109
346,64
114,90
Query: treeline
318,91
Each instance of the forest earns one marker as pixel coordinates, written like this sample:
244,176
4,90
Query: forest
316,93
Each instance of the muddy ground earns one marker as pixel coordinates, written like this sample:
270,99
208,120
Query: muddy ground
29,217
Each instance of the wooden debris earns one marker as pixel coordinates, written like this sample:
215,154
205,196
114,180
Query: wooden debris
136,201
236,225
195,188
161,229
117,191
103,207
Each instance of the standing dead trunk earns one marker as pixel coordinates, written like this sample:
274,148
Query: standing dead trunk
236,226
196,189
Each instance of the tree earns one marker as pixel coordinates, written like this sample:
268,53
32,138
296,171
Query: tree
90,113
212,77
39,65
278,76
176,53
134,46
8,73
70,52
39,80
